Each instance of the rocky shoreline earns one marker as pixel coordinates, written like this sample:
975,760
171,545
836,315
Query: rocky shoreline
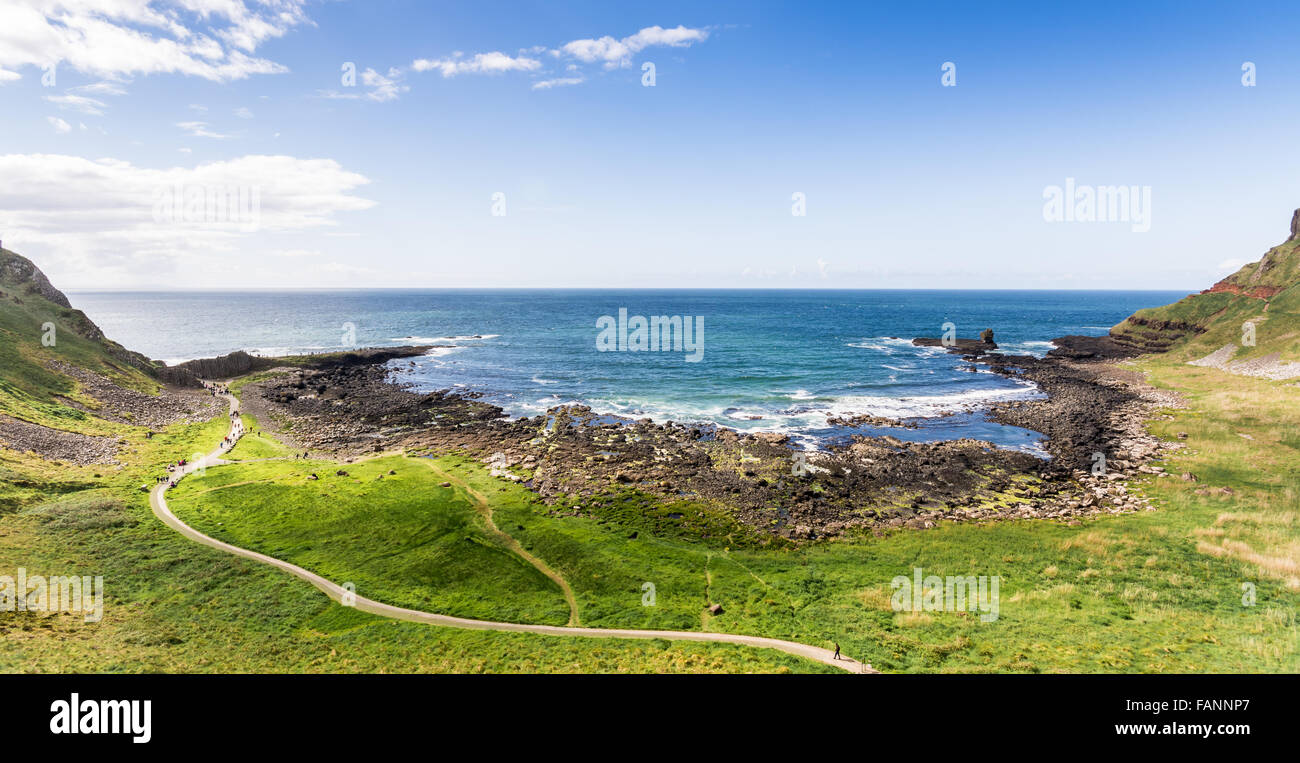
111,402
571,456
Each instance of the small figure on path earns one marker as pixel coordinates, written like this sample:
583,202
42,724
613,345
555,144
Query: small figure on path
837,651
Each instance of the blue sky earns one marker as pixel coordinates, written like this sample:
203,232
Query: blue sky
608,183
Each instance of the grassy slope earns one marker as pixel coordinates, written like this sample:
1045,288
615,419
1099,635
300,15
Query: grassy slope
1218,317
176,606
423,545
1129,593
255,444
29,389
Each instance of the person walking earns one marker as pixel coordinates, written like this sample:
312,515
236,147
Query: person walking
837,651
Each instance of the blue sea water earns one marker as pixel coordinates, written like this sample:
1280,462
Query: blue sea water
771,360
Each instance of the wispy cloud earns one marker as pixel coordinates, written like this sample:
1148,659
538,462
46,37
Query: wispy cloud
60,127
200,130
81,103
609,52
547,84
495,62
212,39
382,87
99,88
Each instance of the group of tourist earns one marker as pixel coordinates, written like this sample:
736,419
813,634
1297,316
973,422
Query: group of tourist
177,470
216,389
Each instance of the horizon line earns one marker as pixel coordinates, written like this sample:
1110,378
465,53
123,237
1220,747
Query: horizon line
283,289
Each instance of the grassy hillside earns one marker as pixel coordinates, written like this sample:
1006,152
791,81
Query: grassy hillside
1264,293
31,387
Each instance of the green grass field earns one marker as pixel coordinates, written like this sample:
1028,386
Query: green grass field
399,535
255,444
175,606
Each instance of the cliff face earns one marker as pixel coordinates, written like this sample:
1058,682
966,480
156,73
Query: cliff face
1263,293
20,274
1255,292
1276,271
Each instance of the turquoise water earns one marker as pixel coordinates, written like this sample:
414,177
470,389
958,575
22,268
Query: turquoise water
769,360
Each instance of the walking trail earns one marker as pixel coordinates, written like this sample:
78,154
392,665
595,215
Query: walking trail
336,592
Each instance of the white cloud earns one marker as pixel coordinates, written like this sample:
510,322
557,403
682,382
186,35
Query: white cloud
614,53
243,112
383,88
94,221
1233,264
80,103
112,38
60,127
495,62
200,130
100,88
547,84
8,76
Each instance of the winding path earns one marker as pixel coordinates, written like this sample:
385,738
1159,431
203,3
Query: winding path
158,501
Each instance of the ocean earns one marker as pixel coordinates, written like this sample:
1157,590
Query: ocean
768,360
